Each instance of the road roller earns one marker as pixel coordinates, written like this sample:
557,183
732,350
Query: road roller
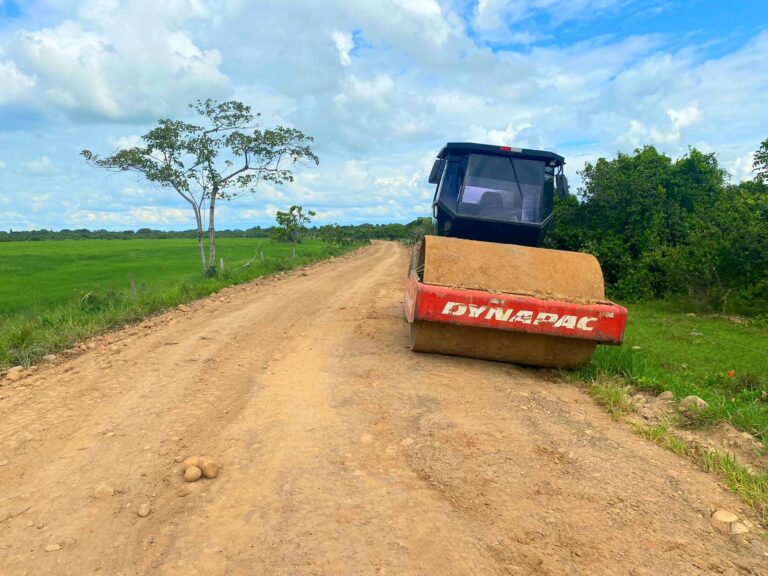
481,286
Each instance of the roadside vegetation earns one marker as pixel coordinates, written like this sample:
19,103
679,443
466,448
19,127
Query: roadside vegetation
685,251
722,360
55,294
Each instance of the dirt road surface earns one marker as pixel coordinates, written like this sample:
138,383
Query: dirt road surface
342,452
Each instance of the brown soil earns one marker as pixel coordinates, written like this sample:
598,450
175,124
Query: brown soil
341,452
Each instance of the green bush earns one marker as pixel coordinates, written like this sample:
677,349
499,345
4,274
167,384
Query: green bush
661,227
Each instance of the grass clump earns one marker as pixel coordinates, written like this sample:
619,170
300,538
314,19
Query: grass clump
661,435
752,488
611,395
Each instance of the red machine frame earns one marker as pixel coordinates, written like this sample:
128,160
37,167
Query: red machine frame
603,323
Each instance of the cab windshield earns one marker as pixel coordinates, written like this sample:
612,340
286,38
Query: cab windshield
505,188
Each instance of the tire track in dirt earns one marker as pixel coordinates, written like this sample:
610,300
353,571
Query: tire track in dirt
343,452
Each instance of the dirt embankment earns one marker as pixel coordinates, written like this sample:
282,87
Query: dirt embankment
342,452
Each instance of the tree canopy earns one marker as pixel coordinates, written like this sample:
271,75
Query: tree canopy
660,227
225,155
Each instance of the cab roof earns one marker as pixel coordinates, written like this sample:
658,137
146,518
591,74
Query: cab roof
500,151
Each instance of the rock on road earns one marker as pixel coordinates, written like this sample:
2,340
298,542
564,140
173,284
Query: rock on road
341,452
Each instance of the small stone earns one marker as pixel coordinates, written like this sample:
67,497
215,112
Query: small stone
666,395
30,523
191,461
144,510
91,346
739,528
49,357
636,348
691,314
722,520
407,442
178,458
192,473
184,308
209,468
638,399
103,491
692,405
53,547
3,463
14,376
366,439
16,369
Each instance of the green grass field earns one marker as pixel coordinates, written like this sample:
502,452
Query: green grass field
723,362
44,274
56,293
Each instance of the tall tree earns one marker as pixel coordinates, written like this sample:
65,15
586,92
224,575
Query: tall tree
760,165
292,225
226,155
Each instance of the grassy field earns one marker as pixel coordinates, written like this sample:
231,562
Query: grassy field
57,293
723,362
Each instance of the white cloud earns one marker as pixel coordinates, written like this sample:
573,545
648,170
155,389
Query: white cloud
114,62
507,136
125,142
16,86
741,168
42,166
687,116
344,44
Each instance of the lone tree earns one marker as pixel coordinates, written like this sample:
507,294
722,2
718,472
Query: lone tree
223,157
291,225
760,165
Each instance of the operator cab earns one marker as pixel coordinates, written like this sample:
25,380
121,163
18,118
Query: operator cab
496,193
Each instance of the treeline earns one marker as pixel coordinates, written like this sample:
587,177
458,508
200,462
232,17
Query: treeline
85,234
337,234
333,233
663,227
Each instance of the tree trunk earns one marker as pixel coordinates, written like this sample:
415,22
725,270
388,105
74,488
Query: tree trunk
212,234
199,219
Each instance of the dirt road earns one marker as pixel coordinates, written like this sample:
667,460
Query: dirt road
343,453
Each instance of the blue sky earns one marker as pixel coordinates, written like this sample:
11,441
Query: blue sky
380,84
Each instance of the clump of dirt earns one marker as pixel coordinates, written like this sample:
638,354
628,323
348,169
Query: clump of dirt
724,438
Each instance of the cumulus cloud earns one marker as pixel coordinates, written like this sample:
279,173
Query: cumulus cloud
114,62
344,44
42,166
16,85
126,142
